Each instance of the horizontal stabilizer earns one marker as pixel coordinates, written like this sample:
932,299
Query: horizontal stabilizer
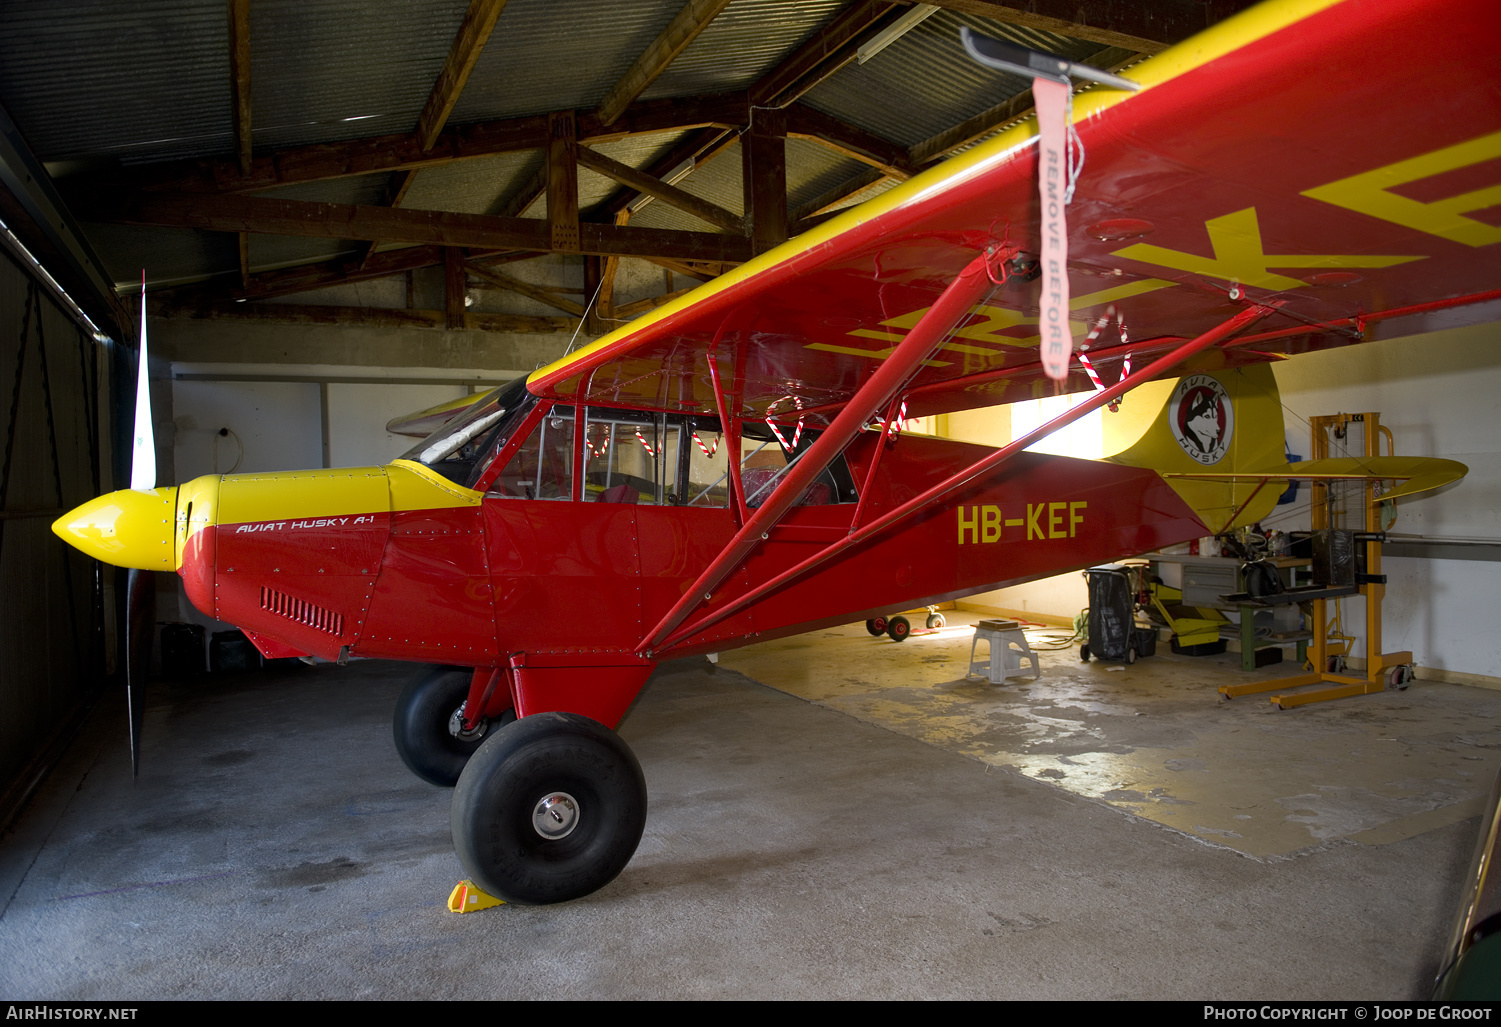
1423,473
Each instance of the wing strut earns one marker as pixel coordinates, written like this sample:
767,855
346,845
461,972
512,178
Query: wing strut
975,471
968,288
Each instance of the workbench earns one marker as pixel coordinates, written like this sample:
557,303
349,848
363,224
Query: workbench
1206,580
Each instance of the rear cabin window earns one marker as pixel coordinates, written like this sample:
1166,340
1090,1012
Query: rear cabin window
632,458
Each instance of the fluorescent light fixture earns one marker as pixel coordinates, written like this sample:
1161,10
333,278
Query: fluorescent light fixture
899,28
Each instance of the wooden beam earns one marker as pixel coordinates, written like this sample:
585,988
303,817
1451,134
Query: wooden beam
699,271
605,306
367,317
239,73
1146,28
630,310
763,152
698,146
454,284
652,186
398,225
563,183
321,275
468,43
593,283
496,258
804,122
829,49
831,198
504,281
682,30
322,161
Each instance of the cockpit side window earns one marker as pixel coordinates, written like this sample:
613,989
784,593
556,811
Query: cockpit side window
542,468
630,457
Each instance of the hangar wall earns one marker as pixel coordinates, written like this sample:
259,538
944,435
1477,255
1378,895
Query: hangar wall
52,378
1440,394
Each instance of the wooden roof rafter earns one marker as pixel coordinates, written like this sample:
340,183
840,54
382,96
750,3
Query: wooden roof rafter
468,43
673,40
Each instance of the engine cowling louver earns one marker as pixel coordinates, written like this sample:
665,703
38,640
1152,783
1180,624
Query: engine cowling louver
302,611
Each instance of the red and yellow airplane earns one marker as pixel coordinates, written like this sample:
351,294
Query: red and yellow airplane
1305,175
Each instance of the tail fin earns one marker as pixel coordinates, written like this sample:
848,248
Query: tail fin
1225,423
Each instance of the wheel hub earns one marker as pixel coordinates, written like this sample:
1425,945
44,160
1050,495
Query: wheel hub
555,816
456,726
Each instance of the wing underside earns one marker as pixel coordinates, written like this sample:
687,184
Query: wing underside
1274,159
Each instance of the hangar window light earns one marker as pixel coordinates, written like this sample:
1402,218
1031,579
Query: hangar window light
1084,438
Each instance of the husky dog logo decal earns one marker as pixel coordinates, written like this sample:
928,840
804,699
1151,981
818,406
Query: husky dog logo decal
1202,418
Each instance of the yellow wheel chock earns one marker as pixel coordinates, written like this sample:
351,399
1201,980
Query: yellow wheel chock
466,897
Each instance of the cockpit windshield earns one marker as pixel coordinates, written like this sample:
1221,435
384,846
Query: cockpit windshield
454,450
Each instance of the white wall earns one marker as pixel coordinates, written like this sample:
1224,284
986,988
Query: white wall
357,416
1440,394
280,423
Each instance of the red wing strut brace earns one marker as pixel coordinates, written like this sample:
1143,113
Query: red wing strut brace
986,466
966,290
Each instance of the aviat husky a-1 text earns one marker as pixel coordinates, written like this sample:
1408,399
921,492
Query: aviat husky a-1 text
1304,175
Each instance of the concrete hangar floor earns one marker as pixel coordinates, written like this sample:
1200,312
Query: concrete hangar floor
875,826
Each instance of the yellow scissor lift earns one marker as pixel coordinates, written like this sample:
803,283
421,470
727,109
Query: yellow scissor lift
1326,653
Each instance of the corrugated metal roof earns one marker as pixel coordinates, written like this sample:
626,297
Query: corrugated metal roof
471,186
344,69
94,80
748,39
924,82
718,181
547,56
90,78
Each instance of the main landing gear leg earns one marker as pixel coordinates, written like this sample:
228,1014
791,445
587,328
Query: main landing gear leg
428,727
550,808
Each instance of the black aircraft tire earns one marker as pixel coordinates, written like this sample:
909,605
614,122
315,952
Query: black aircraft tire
571,775
898,628
422,725
876,626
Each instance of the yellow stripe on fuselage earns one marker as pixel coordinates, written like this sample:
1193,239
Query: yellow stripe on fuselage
285,495
1218,40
